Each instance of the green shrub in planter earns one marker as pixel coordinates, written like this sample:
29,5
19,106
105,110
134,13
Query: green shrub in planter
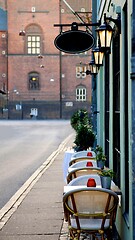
79,117
106,177
84,134
100,156
84,137
107,173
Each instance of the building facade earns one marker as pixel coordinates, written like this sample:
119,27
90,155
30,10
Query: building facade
3,59
115,107
40,80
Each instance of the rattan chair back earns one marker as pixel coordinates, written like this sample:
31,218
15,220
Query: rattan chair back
90,210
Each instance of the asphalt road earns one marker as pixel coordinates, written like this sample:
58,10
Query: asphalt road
24,146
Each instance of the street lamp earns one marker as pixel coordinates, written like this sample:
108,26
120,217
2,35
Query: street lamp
105,35
93,68
98,56
105,32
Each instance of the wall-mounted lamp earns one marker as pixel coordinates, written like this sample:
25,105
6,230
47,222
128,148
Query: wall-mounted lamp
98,56
22,33
93,68
40,56
105,32
42,66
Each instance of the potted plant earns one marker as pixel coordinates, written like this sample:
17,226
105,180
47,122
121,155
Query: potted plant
84,137
84,134
79,117
106,176
100,157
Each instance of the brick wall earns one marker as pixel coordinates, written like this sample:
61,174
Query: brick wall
53,78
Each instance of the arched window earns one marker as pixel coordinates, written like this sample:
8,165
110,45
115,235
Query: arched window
81,93
33,81
33,39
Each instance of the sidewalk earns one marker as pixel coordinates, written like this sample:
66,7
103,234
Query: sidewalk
36,212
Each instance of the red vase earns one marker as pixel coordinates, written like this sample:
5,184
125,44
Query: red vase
89,164
91,182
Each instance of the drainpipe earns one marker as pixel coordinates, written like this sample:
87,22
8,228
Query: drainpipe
94,78
60,67
133,112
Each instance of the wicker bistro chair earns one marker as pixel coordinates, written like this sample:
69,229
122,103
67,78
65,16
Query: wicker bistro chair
82,171
87,153
90,211
82,180
78,159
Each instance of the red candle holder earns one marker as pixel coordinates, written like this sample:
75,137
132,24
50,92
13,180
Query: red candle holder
89,164
91,182
89,154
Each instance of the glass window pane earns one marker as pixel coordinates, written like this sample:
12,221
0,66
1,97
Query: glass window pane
29,38
38,44
33,44
33,50
38,38
38,51
33,38
29,51
29,44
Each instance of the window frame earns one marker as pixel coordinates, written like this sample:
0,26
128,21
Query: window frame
81,96
81,71
34,31
33,45
31,82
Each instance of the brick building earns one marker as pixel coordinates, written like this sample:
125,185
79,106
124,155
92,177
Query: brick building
3,58
40,80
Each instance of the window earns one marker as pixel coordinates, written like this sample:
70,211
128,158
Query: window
33,81
126,115
81,71
116,109
81,93
33,44
34,39
107,110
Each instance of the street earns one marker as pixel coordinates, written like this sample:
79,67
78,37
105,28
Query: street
24,146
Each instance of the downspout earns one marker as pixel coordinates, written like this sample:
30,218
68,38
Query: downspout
60,67
133,112
94,78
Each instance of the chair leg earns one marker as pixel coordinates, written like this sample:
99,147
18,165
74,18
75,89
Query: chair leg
74,235
109,234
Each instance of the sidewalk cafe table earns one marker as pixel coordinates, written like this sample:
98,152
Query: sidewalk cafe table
114,188
67,158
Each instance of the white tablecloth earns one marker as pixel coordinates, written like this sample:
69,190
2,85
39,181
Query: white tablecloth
113,188
67,158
